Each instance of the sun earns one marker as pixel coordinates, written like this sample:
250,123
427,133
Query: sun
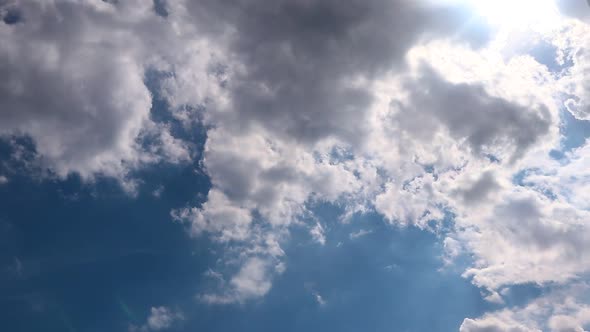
536,14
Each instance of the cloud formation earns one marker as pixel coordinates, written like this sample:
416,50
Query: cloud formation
410,109
160,318
73,81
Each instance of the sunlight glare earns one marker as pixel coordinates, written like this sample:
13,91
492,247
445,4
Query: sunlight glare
537,14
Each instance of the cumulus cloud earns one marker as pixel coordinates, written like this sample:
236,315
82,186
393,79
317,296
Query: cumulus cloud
434,124
73,81
577,51
253,280
298,61
558,311
485,123
548,234
160,318
391,106
493,324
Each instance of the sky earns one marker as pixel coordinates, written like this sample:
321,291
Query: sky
295,165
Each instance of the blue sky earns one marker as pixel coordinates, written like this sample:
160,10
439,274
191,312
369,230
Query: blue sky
100,261
89,257
358,165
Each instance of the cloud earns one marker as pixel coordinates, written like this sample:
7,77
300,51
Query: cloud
360,233
486,124
318,234
575,8
73,81
432,126
389,106
492,325
253,280
523,231
558,311
575,41
297,61
320,300
3,179
160,318
217,216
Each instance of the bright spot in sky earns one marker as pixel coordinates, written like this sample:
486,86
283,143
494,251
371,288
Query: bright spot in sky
535,14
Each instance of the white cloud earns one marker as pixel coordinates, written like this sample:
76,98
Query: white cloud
3,179
360,233
558,311
317,233
217,216
160,318
157,193
493,324
253,280
319,299
74,82
574,43
445,134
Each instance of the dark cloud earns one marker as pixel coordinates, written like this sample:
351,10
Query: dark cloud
303,60
485,123
480,189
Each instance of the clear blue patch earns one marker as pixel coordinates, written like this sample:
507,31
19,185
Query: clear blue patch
160,8
84,250
520,295
383,281
520,177
12,16
546,53
575,132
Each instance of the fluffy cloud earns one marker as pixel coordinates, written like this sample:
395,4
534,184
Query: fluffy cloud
297,61
380,105
434,126
579,54
488,125
73,80
253,280
160,318
492,324
558,311
522,238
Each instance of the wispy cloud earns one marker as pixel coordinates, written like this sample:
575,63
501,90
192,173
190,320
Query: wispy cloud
360,233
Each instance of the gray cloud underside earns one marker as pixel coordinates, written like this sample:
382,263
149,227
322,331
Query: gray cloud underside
301,59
